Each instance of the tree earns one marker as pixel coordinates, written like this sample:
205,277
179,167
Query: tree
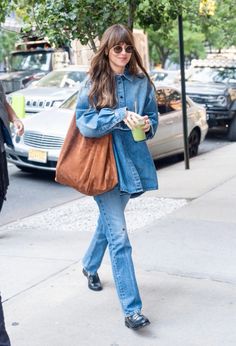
5,6
214,29
152,14
64,20
218,24
7,41
220,27
163,44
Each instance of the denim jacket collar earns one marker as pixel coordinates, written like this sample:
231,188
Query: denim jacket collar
126,75
131,77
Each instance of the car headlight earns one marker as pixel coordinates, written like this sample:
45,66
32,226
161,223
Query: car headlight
222,100
13,130
9,99
14,134
56,104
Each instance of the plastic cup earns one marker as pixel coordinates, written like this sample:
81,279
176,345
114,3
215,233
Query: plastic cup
18,104
138,133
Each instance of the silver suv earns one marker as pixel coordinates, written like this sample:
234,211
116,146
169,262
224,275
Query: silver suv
212,83
52,89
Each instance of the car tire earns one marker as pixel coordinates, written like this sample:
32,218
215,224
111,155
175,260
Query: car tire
193,142
232,130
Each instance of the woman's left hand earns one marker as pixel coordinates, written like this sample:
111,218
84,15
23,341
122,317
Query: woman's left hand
146,127
18,124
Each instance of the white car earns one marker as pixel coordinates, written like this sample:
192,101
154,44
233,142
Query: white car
40,146
166,76
52,89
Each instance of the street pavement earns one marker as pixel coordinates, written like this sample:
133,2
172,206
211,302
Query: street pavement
184,240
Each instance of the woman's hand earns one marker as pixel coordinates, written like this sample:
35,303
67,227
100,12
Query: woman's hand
146,127
132,120
19,126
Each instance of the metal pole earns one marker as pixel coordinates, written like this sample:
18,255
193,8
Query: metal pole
184,110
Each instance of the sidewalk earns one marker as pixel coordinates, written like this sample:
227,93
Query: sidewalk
184,240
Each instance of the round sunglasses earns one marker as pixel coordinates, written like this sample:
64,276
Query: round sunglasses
118,49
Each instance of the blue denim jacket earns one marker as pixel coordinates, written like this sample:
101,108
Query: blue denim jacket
136,170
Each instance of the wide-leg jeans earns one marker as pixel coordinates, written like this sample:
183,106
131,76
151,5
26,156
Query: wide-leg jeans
111,230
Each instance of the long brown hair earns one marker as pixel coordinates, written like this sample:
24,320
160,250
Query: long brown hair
102,93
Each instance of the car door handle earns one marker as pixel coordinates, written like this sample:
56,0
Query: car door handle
170,122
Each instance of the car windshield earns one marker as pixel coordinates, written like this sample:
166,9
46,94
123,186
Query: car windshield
61,79
212,74
167,75
70,103
158,75
28,61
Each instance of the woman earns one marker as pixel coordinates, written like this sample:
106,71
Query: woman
117,95
7,114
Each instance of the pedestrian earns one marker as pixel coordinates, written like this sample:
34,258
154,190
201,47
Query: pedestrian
4,338
117,96
7,115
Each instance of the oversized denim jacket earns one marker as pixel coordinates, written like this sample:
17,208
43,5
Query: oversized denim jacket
136,170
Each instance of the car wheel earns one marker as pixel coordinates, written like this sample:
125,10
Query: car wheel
193,142
232,130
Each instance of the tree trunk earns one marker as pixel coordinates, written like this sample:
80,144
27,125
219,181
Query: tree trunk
132,8
163,53
92,44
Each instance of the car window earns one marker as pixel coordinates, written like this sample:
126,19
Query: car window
174,100
168,76
211,74
62,79
29,61
158,75
168,100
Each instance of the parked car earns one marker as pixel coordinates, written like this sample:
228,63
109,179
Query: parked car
32,59
40,146
52,89
166,76
212,82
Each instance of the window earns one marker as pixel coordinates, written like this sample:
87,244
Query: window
28,61
168,100
62,79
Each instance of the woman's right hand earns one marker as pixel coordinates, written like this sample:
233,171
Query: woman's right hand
19,126
132,120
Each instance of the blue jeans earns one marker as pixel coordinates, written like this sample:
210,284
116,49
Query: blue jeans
111,230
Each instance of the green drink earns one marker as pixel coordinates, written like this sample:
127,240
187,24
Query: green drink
138,133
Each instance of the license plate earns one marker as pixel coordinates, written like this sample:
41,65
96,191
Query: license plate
37,155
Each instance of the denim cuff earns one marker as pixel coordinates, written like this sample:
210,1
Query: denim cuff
120,113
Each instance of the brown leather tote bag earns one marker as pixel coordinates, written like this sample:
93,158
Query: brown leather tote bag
86,164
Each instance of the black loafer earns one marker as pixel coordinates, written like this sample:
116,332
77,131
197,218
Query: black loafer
94,282
136,321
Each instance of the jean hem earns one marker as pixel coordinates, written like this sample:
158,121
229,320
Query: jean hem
133,312
87,271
